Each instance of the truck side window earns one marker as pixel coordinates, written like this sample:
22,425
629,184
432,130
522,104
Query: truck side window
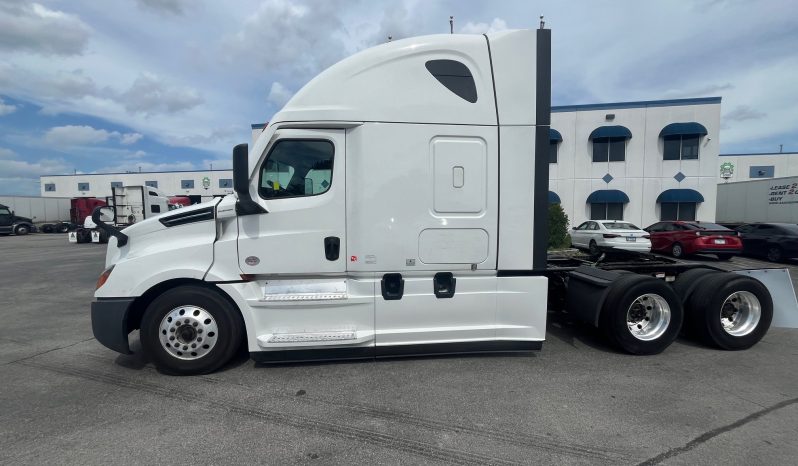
296,168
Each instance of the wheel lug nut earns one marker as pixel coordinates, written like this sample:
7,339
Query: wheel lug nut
172,337
199,330
199,338
195,324
193,345
185,347
172,330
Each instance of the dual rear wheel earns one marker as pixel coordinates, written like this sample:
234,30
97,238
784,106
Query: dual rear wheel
644,315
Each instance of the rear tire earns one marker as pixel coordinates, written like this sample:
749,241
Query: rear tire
208,329
730,311
687,282
774,254
641,314
48,228
593,248
677,250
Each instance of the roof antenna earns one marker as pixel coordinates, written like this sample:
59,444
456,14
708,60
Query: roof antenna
781,148
451,24
542,23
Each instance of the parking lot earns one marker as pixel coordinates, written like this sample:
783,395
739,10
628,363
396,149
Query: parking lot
66,399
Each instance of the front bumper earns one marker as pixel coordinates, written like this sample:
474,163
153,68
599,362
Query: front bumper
109,323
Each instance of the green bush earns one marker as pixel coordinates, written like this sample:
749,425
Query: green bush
558,227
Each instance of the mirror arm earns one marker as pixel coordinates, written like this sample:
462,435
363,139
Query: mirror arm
121,238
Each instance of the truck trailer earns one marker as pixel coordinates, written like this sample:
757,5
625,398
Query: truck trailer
397,205
772,200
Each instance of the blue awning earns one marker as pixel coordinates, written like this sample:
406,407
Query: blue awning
607,195
554,198
683,129
680,195
611,132
554,135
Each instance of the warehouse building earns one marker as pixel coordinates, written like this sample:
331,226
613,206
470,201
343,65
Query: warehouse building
636,161
197,185
746,167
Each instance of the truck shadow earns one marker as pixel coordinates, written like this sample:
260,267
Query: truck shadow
559,325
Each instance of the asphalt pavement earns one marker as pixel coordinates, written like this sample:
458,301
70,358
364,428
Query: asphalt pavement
66,399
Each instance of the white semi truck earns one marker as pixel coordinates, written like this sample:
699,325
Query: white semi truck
397,205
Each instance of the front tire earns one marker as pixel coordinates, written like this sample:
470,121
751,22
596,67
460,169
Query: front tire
191,330
21,230
641,314
730,311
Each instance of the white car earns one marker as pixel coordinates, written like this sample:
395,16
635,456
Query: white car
610,233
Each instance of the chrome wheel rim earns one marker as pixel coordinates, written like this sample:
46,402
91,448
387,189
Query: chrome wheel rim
649,317
740,313
188,332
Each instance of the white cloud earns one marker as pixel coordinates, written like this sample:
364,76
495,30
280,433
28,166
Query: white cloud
70,135
31,27
5,108
134,166
744,112
130,138
149,95
496,25
176,7
12,168
291,38
279,94
7,153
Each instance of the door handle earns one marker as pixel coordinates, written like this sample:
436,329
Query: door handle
332,247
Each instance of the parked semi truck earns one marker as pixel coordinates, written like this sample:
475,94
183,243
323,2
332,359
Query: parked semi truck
397,205
772,200
12,223
126,205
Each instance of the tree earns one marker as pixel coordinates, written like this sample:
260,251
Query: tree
558,227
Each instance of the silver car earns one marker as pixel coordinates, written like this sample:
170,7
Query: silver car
610,233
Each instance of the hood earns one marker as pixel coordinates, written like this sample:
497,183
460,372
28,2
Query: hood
17,218
162,230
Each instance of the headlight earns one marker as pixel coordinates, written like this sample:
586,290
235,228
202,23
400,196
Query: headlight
104,277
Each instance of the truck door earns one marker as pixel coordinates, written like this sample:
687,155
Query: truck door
301,183
6,219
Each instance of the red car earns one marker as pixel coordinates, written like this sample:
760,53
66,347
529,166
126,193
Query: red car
681,238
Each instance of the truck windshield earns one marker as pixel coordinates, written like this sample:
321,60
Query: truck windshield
4,211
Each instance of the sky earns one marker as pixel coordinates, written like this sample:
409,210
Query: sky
129,85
